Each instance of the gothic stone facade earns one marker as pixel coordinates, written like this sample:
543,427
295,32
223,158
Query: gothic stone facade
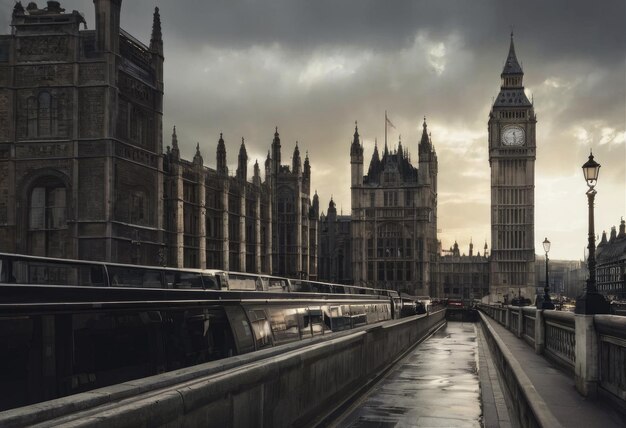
611,263
216,220
394,218
335,247
82,168
463,276
512,150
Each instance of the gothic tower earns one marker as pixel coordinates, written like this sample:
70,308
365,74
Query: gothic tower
512,150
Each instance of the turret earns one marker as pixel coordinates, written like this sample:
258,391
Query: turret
356,159
613,234
175,149
622,229
471,248
424,176
276,153
222,168
306,176
107,25
296,161
316,205
197,158
242,162
256,179
375,164
268,168
156,48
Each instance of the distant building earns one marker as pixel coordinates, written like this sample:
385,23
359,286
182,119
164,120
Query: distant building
564,276
611,264
335,250
394,218
463,276
512,151
82,168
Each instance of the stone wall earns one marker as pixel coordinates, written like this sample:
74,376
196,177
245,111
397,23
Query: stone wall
295,387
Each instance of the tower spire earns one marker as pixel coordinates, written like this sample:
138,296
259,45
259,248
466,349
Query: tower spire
512,66
175,149
156,40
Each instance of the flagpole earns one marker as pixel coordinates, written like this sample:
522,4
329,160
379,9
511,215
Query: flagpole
385,128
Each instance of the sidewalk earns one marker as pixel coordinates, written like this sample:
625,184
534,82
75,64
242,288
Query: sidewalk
557,388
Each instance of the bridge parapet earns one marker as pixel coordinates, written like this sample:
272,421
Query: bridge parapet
294,387
590,347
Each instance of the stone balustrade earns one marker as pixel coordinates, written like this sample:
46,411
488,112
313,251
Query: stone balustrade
590,347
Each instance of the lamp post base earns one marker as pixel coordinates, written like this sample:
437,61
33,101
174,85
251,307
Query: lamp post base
592,303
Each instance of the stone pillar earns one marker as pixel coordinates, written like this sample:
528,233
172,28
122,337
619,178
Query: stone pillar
540,332
180,219
298,230
268,238
201,220
225,237
587,369
507,318
242,230
520,320
257,235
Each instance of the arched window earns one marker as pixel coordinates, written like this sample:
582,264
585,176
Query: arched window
47,223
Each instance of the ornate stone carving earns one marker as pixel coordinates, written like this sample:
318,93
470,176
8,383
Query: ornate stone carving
5,126
91,112
43,48
45,150
135,155
134,89
91,72
45,75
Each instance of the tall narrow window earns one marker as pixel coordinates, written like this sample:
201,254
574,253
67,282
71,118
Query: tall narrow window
31,116
47,223
44,114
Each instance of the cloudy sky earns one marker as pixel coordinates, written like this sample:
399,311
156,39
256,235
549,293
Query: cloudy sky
314,67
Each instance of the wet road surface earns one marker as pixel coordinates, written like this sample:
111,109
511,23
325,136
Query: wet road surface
436,385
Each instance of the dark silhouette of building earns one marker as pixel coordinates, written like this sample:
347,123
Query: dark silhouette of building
611,263
82,168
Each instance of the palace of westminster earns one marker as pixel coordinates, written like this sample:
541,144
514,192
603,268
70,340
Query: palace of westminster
84,174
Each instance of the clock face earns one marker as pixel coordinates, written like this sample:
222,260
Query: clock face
513,136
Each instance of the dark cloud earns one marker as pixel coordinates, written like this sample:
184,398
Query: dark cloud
314,67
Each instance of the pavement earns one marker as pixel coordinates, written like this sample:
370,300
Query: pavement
436,385
450,380
557,388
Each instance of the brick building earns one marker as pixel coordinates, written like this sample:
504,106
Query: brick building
82,168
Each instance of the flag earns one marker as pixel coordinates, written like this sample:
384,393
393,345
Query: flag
389,122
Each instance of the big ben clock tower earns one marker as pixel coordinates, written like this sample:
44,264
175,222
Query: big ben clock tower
512,149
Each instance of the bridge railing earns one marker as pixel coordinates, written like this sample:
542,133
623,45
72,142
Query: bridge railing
597,341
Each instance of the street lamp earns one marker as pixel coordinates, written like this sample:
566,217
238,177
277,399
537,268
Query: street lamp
547,303
591,302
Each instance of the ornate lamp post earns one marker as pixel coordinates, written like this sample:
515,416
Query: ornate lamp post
547,303
591,302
